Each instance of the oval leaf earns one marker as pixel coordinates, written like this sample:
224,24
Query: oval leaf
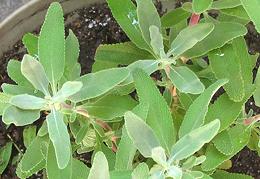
20,117
185,80
34,72
199,6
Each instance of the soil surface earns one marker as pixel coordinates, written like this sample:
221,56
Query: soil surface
94,26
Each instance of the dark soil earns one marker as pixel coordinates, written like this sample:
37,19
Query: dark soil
94,26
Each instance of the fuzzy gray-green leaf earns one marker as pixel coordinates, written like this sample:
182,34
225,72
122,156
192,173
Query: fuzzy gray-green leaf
25,101
20,117
141,134
97,84
185,80
197,111
35,73
194,140
217,38
99,169
52,44
189,37
60,138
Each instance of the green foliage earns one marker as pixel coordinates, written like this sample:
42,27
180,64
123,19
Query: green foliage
199,6
5,154
128,117
251,7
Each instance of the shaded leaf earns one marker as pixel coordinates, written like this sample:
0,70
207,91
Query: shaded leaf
219,174
30,41
110,107
5,154
199,6
110,56
174,17
29,134
223,4
223,142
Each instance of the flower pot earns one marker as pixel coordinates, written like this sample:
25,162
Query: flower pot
29,17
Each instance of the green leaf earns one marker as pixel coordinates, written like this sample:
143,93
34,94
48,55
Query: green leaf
185,80
25,101
233,63
30,41
126,17
126,149
112,55
29,134
72,67
60,138
147,17
53,170
257,91
33,159
14,72
217,38
97,84
4,101
20,117
251,7
5,154
99,169
240,135
194,140
52,44
226,110
200,7
238,12
125,153
141,134
141,171
220,174
223,4
34,72
197,111
110,107
159,116
157,41
79,170
223,143
68,89
174,17
189,37
18,89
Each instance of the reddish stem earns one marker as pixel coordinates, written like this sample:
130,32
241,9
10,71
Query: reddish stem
195,18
